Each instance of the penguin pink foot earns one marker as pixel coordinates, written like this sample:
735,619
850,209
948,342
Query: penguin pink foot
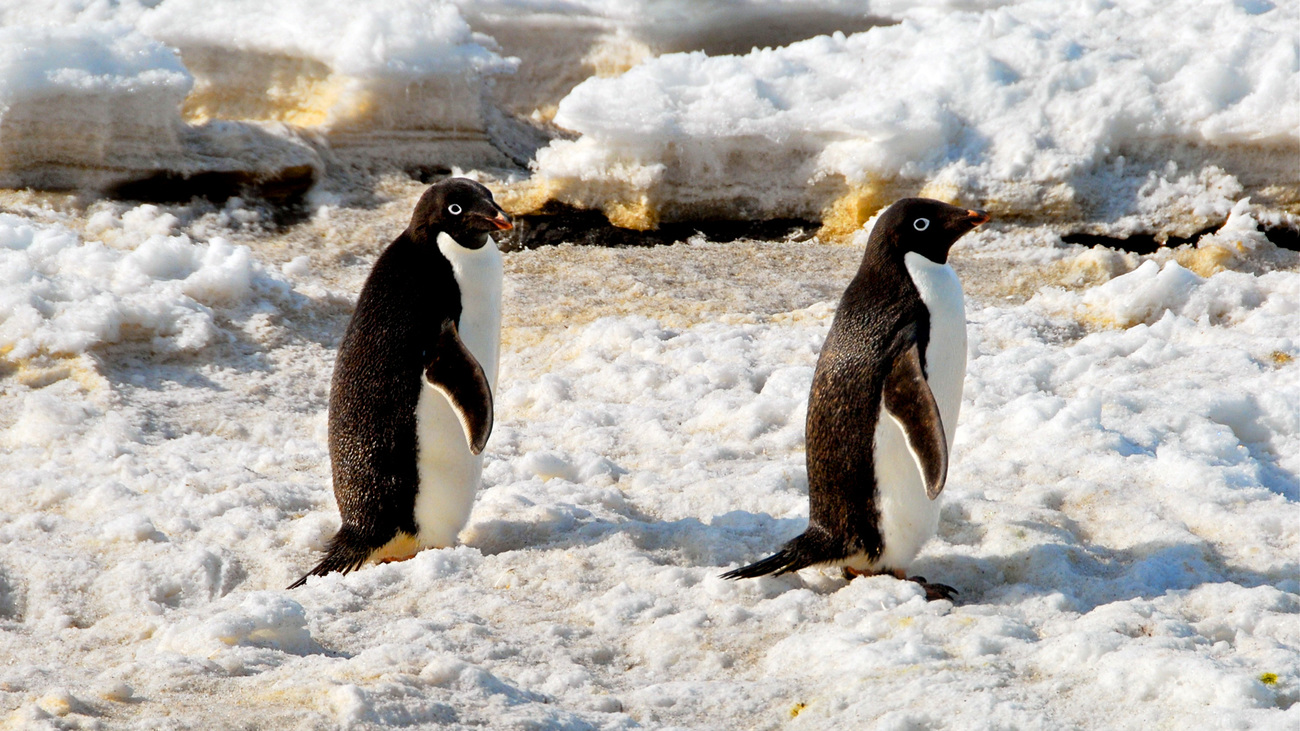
933,592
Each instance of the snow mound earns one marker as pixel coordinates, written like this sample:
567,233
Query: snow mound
63,295
262,621
1036,109
1154,291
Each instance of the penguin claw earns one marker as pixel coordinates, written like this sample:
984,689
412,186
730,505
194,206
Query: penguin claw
933,592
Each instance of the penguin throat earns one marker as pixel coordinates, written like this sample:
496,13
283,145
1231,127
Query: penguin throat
472,240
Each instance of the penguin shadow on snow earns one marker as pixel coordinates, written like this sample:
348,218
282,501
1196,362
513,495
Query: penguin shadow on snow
687,542
1087,575
1058,557
233,373
690,543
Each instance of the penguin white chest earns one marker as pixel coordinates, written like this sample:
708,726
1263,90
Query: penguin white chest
908,518
449,472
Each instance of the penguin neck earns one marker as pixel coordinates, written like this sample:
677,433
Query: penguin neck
478,275
883,257
945,358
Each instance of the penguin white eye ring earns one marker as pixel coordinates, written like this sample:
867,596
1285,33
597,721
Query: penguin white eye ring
921,224
454,209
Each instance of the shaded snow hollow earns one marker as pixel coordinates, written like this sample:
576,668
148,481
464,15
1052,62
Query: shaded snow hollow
1121,517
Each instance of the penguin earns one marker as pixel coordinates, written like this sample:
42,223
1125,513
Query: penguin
883,406
410,405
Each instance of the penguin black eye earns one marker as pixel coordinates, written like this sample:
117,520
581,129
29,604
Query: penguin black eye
921,224
454,209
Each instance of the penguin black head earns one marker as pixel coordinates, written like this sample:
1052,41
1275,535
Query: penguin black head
928,227
461,208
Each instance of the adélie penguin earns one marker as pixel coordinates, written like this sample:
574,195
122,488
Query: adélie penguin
883,407
410,405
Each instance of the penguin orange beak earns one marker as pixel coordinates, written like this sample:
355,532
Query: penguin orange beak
977,217
500,222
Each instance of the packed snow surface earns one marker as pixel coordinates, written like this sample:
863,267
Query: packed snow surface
1122,514
1122,517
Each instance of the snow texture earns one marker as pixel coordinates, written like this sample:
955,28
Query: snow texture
1121,516
1122,513
96,94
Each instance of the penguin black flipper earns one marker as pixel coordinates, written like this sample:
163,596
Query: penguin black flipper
457,375
908,399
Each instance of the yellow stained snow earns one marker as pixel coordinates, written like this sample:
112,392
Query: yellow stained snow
624,206
846,214
307,102
264,88
615,54
1208,260
44,369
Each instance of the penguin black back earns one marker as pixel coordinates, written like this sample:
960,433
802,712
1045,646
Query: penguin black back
399,321
880,320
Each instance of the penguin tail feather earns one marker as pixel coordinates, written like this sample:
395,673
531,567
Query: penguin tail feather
793,556
346,552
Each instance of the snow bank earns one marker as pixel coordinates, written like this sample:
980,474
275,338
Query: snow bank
397,82
1044,110
560,44
95,95
76,98
95,105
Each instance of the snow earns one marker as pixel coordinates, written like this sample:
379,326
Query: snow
392,37
134,89
1122,513
64,296
68,93
1133,117
1131,562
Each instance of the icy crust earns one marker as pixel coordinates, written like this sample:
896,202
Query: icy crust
1039,109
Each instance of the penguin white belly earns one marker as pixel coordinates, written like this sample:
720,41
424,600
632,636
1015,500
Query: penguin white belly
908,518
449,472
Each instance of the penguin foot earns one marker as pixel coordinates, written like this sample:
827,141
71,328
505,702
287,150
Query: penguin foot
933,592
395,559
